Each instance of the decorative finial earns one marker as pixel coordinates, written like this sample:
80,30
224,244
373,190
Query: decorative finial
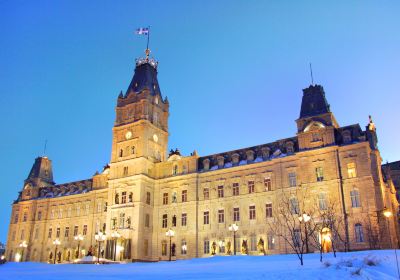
44,149
371,125
147,52
312,78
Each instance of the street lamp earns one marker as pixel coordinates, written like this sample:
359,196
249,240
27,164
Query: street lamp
170,233
115,235
100,237
305,218
234,228
78,238
387,213
56,242
23,245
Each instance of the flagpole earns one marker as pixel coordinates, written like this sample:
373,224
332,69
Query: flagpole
148,37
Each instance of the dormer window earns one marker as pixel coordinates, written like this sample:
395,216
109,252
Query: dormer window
235,159
289,147
265,151
250,155
346,137
220,161
206,164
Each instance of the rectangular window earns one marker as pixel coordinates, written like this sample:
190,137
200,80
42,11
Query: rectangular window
252,212
25,217
66,233
319,173
121,220
123,197
351,170
52,214
58,232
85,230
105,206
206,246
36,233
221,216
322,201
184,219
206,218
75,230
294,206
271,242
268,210
267,184
183,247
220,191
359,233
165,221
165,198
253,243
69,213
236,214
125,171
355,198
235,189
148,198
251,186
206,193
164,248
292,179
147,220
184,196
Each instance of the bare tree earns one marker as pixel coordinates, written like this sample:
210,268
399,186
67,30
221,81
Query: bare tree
372,233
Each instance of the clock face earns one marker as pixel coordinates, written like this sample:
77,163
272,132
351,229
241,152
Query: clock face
155,138
128,135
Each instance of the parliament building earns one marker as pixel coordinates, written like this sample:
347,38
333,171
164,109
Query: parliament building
147,190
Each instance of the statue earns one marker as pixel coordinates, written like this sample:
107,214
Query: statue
260,246
228,248
245,250
213,248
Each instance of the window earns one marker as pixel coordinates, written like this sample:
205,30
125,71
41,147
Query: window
174,199
174,221
235,189
220,191
123,197
148,198
66,232
355,198
252,212
87,209
84,230
60,213
221,216
147,220
316,137
271,241
16,218
75,230
319,172
22,237
116,199
121,220
164,248
125,170
351,170
146,247
206,218
253,243
206,193
184,219
133,150
251,186
25,217
206,246
294,206
221,247
175,170
322,201
113,223
183,247
359,232
13,235
268,210
184,196
267,184
78,210
105,206
58,232
165,198
99,208
69,213
236,214
296,237
165,221
121,153
36,233
52,214
292,179
130,197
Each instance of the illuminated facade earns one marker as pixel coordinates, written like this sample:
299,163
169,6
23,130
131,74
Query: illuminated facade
144,191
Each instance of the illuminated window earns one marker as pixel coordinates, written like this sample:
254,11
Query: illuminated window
206,246
322,201
184,219
123,197
220,191
184,196
165,198
319,173
206,218
268,210
267,184
206,193
292,179
236,214
359,232
221,216
355,198
235,189
251,186
22,237
252,212
164,248
183,247
351,170
165,221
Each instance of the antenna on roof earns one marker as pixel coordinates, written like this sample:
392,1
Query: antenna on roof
45,146
312,78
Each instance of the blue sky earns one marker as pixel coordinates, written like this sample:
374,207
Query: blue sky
233,72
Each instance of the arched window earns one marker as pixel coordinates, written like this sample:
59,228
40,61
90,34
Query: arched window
174,221
359,232
130,197
355,198
116,198
121,153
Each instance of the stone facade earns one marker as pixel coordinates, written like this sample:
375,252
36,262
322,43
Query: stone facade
143,192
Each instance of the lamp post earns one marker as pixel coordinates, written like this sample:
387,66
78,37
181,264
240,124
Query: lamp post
387,213
56,242
23,245
115,235
170,233
234,228
100,237
305,218
78,238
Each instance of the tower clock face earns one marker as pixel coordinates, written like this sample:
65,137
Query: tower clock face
128,135
155,138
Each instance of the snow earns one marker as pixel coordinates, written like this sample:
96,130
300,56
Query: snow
345,266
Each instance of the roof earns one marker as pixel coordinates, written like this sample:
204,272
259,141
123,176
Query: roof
145,77
314,102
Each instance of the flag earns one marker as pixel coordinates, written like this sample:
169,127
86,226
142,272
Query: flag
142,31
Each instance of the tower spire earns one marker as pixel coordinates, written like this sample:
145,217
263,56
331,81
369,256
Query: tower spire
312,78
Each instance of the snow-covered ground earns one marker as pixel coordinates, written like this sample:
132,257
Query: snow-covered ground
355,265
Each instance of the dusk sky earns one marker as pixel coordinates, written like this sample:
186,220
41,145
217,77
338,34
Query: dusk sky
233,72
